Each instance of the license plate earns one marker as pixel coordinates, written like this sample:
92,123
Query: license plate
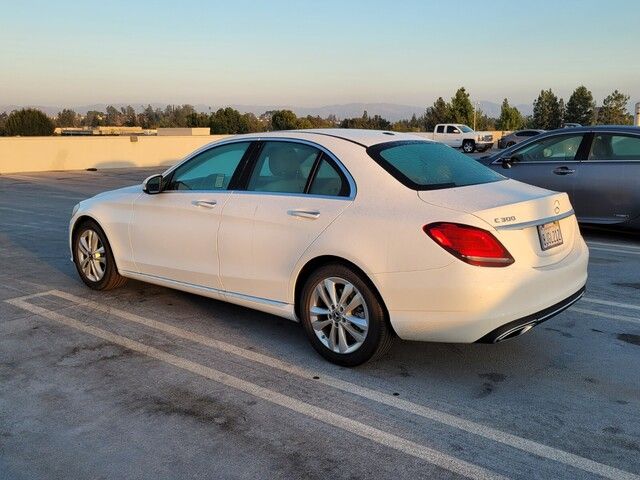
550,235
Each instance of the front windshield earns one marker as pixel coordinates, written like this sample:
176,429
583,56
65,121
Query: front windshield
466,129
421,165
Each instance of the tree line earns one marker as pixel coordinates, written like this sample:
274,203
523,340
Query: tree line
549,112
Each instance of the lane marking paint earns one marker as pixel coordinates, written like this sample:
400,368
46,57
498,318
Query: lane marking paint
526,445
624,252
615,245
610,316
381,437
610,303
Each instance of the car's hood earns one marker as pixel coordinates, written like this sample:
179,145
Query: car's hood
123,190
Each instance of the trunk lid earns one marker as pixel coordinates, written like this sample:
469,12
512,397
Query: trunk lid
514,210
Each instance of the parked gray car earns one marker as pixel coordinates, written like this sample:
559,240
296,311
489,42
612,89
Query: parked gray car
599,167
517,137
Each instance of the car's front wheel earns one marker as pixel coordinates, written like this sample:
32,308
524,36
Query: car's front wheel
468,146
93,257
343,317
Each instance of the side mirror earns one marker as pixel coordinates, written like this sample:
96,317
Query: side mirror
152,184
508,162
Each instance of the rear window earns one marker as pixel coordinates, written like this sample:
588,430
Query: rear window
423,165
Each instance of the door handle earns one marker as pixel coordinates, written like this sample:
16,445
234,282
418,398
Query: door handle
204,203
564,171
312,214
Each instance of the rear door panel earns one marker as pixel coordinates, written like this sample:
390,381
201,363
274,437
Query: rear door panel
607,189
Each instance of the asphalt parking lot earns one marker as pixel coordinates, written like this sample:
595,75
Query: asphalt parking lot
146,382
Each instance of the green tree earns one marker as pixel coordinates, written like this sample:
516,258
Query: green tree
580,107
3,122
547,111
484,122
113,117
614,110
366,122
461,108
284,120
67,118
251,123
440,112
150,117
29,122
129,116
510,117
93,118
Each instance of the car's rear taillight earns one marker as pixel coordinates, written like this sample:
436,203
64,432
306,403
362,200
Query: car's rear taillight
470,244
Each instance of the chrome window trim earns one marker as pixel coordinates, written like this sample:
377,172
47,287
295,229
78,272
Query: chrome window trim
352,184
532,223
610,161
499,161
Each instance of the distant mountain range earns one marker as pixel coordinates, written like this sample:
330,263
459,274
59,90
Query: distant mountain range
390,111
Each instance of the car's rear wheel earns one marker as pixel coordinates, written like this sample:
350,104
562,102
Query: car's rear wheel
93,257
343,317
468,146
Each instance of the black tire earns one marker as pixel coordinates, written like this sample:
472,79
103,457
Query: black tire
379,335
468,146
111,278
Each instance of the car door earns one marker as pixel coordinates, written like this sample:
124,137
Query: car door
453,136
174,233
293,191
550,162
438,134
607,189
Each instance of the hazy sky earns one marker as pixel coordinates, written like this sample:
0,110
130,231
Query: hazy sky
308,53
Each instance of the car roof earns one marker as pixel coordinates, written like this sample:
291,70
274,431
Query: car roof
364,138
598,128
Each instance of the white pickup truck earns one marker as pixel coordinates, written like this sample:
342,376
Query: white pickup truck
458,135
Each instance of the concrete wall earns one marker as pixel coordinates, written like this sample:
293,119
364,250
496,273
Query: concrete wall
39,154
183,131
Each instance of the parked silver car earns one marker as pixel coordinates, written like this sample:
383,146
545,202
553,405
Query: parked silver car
599,167
517,137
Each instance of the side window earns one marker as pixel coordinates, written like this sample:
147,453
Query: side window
283,167
555,149
440,129
452,129
615,147
329,181
210,170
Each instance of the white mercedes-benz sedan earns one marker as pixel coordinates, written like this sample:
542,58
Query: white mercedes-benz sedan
360,235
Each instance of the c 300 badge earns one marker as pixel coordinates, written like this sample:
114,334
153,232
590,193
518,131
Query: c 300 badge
504,219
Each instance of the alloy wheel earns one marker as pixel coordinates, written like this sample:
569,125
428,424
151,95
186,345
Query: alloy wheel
91,255
339,315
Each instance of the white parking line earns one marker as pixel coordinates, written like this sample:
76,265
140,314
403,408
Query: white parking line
610,316
610,303
615,245
526,445
381,437
614,250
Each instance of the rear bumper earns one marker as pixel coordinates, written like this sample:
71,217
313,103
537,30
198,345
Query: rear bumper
461,303
517,327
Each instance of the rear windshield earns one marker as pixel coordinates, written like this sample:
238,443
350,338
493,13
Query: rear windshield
422,165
